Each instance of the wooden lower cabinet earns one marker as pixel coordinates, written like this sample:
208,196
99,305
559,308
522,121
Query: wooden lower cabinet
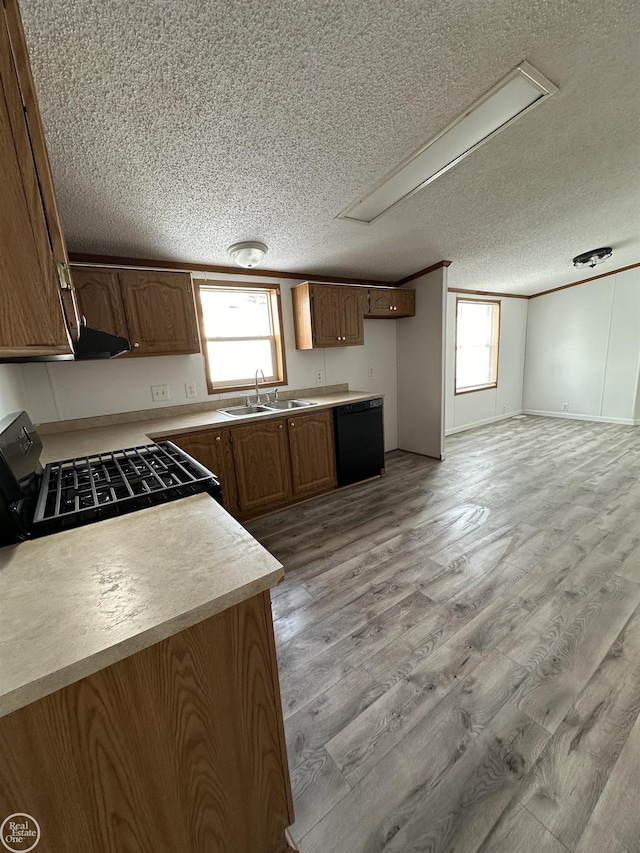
179,747
313,456
212,448
267,464
263,466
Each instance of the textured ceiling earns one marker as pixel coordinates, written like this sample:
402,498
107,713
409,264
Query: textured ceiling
178,128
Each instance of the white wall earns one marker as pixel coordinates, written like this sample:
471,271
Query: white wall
13,397
583,350
421,358
68,390
480,407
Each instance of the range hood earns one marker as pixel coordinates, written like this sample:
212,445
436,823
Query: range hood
90,344
93,343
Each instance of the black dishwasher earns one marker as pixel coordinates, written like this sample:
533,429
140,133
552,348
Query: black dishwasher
359,441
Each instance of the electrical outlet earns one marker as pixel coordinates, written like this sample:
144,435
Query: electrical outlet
370,370
565,407
504,409
190,389
320,376
159,393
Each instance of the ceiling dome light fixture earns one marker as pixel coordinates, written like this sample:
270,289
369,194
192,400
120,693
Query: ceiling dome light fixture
595,256
248,254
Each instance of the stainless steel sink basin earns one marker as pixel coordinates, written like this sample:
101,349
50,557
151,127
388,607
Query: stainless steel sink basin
241,411
289,404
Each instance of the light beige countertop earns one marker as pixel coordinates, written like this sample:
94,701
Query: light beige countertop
113,436
75,602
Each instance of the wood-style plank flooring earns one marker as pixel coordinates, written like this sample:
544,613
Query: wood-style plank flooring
459,647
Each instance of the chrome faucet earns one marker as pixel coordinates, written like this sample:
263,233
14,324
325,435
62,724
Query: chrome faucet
258,400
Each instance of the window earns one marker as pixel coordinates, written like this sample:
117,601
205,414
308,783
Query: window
241,332
477,337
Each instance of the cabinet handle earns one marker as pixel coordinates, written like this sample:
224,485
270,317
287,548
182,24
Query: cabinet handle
136,345
279,426
218,438
339,338
293,423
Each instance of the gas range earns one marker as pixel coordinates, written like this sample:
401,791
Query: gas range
36,501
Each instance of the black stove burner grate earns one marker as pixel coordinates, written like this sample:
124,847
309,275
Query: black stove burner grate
76,491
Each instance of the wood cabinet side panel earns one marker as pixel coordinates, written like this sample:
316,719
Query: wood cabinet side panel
178,747
301,300
30,306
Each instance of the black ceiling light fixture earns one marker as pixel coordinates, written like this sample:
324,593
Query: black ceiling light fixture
595,256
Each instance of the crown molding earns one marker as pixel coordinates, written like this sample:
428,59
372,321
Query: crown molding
584,280
185,266
415,275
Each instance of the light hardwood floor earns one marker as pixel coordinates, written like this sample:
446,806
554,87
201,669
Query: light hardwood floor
459,648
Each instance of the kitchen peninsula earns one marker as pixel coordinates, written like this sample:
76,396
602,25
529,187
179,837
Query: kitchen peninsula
139,699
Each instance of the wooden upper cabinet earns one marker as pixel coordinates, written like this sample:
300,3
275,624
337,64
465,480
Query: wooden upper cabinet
391,302
263,466
160,312
100,301
155,311
313,458
328,315
212,448
352,312
32,321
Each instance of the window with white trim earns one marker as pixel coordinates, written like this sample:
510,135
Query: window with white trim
241,332
477,344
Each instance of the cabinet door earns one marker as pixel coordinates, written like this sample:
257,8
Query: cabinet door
31,316
99,300
326,305
160,312
405,303
313,458
352,314
380,302
212,448
263,465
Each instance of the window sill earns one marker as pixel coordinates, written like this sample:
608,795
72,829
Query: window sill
474,389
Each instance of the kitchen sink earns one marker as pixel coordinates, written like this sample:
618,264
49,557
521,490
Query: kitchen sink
240,411
267,409
290,404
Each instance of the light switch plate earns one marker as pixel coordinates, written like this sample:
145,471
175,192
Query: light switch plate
159,393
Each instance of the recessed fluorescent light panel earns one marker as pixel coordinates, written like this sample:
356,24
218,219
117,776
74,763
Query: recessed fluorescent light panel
520,91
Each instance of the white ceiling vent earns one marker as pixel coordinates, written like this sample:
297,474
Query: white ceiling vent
516,94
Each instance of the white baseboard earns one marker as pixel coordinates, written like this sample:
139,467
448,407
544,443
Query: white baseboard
574,417
495,419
